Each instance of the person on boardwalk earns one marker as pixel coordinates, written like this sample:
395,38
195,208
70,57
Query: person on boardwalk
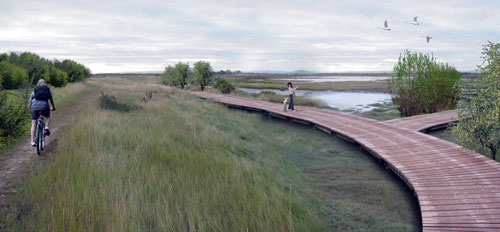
291,91
39,102
285,99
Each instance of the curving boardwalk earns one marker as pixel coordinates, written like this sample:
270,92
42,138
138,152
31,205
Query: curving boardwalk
458,190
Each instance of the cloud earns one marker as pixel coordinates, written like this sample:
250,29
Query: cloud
325,36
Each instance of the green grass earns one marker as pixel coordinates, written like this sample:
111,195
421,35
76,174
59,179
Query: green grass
185,164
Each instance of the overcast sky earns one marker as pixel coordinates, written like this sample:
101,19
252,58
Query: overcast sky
287,35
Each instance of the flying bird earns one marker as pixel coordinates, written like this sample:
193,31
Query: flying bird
415,21
428,38
386,27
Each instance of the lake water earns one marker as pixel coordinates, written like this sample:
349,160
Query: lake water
343,100
334,78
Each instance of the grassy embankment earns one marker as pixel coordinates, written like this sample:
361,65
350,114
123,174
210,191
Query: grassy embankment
181,163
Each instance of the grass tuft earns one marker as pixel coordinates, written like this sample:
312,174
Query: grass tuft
109,102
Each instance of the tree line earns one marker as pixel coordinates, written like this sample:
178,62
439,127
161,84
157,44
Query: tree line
18,70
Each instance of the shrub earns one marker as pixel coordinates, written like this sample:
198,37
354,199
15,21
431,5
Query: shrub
223,85
109,102
13,76
57,77
12,119
421,85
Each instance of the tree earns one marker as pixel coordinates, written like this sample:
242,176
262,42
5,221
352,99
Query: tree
479,117
170,76
182,74
202,73
421,85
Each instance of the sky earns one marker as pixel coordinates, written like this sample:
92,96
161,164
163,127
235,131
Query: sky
251,36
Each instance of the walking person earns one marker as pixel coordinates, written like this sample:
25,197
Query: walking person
39,102
291,91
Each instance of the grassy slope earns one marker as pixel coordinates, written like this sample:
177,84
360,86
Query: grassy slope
180,163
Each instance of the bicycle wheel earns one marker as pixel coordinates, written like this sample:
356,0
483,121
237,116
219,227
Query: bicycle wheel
43,136
39,142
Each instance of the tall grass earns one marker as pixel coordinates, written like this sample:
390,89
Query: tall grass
161,168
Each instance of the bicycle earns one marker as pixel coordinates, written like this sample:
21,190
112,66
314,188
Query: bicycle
40,133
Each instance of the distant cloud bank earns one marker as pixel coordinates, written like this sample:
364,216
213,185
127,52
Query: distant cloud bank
321,36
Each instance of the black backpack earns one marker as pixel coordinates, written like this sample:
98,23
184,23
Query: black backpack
42,93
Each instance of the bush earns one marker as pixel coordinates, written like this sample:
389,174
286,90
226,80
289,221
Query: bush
57,77
109,102
421,85
223,85
12,119
11,75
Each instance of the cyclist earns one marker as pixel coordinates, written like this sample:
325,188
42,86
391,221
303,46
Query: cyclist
39,102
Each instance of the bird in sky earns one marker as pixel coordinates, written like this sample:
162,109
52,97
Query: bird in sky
386,27
415,21
428,38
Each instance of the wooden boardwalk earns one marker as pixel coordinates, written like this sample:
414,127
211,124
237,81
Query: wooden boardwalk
458,190
425,122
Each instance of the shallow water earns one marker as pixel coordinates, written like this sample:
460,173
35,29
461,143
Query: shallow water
334,78
360,101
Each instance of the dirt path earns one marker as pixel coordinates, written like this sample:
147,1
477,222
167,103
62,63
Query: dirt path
17,161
